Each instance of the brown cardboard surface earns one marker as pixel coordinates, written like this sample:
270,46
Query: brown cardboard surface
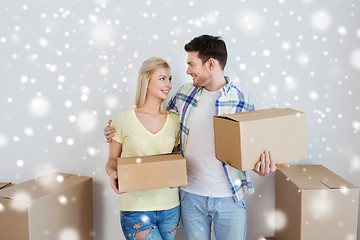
47,207
270,238
240,138
326,213
150,172
4,185
262,114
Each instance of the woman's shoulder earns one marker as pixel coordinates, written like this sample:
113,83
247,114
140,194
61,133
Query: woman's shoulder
123,114
173,117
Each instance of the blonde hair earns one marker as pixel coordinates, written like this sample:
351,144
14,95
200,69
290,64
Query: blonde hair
145,73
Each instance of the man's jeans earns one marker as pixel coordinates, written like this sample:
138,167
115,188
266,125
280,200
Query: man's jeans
198,212
157,225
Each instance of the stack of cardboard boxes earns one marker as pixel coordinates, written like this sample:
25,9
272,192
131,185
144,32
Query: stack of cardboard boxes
55,206
317,204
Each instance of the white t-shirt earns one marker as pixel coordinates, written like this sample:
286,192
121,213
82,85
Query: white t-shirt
206,175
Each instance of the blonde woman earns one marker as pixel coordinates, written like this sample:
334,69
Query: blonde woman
145,130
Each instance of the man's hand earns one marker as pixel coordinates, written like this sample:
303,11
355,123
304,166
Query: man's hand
109,132
266,164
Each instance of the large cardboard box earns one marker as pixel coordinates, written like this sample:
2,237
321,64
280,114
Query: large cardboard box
240,138
4,185
56,206
150,172
317,204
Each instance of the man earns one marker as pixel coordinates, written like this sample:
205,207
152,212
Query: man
215,191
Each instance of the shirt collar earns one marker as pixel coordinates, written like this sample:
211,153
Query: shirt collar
225,89
227,86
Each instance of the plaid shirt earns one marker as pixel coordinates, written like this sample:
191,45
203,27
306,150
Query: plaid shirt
230,100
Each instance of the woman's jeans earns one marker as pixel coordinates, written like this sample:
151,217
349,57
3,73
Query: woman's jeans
156,225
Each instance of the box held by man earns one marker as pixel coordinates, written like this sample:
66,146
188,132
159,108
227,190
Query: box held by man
240,138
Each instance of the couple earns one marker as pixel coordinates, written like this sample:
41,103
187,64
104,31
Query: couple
215,191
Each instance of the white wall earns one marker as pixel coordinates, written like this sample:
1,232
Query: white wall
68,66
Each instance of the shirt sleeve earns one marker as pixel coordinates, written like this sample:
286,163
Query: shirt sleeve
250,101
172,105
118,123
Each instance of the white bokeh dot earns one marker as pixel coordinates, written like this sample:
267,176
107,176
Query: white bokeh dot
291,84
60,178
39,106
355,58
242,66
20,163
3,140
69,234
256,79
20,197
61,78
285,46
24,79
303,59
43,42
144,218
355,163
266,52
29,131
68,104
86,121
313,95
321,20
356,125
342,30
92,151
273,89
70,142
111,101
276,220
58,139
72,118
63,200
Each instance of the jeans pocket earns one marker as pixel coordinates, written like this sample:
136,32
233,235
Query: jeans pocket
126,213
241,203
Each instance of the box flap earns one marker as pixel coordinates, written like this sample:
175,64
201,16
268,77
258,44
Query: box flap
36,188
149,159
261,114
4,184
315,177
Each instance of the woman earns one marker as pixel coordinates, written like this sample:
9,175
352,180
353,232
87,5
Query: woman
145,130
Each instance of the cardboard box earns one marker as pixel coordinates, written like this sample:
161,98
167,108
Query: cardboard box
55,206
240,138
5,185
317,204
270,238
150,172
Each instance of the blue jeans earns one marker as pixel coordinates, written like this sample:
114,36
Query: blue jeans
199,212
157,225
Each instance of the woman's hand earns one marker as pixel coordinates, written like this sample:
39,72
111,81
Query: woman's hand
114,181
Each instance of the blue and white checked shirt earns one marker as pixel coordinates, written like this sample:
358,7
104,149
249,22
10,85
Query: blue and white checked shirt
230,100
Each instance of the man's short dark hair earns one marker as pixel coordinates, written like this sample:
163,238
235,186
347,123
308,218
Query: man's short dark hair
209,47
